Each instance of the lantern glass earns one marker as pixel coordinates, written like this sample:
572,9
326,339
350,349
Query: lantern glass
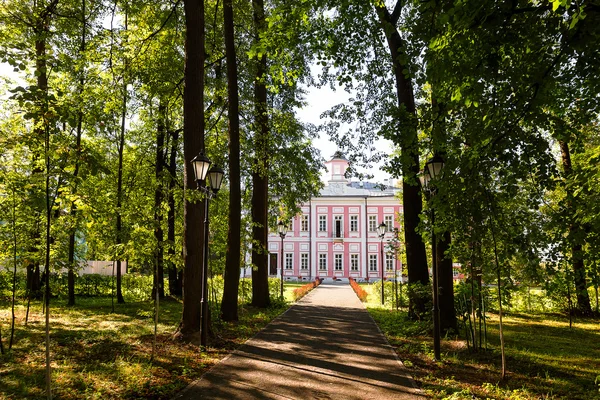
434,166
282,229
215,178
381,229
201,164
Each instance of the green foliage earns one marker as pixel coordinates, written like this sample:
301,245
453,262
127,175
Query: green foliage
390,293
136,287
215,291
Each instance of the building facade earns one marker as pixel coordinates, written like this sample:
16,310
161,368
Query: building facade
335,235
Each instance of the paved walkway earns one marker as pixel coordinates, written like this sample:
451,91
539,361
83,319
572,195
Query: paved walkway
324,347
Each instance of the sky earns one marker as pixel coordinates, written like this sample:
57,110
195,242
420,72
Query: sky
320,100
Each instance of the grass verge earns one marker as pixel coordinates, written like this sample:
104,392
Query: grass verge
97,354
545,359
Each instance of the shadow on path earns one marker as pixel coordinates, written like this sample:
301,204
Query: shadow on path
325,347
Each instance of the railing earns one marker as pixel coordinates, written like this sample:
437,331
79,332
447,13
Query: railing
337,235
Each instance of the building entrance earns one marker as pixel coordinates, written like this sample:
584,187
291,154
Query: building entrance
273,264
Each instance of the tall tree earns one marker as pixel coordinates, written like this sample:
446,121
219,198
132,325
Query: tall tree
260,183
71,256
406,138
119,231
229,309
158,198
193,143
575,234
175,281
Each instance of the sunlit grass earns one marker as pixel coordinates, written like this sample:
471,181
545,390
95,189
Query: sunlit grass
545,358
98,354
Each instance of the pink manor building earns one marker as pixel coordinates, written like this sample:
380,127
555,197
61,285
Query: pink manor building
335,235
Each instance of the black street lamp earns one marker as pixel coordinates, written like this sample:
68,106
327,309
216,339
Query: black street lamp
201,165
396,249
433,170
282,229
381,234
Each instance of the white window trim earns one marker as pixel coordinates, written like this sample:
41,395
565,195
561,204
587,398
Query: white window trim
303,257
389,227
336,257
323,256
352,258
374,226
371,258
304,223
291,258
355,225
389,262
323,218
341,219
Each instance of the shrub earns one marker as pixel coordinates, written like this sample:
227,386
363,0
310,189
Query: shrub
303,290
389,288
360,292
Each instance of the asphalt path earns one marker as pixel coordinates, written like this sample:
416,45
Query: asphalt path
326,346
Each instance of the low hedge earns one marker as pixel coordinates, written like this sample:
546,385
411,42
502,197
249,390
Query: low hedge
360,292
303,290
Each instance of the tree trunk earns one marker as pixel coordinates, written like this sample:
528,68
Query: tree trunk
193,143
71,256
119,219
260,187
446,277
229,311
446,284
174,281
416,257
121,149
158,198
15,262
41,30
576,237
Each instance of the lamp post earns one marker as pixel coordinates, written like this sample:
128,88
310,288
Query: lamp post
396,249
282,229
381,234
201,165
433,170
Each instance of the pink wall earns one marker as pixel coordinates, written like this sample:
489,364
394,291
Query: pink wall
300,241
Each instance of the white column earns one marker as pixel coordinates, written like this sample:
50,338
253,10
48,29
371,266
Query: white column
313,236
364,232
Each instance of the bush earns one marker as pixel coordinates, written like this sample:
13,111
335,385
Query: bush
303,290
274,285
6,284
360,292
390,292
135,287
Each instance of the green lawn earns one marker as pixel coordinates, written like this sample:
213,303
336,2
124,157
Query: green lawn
97,354
545,359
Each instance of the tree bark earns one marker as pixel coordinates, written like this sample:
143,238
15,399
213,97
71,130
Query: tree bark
158,198
260,184
121,149
41,29
73,212
229,311
193,143
576,237
175,288
446,284
416,257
